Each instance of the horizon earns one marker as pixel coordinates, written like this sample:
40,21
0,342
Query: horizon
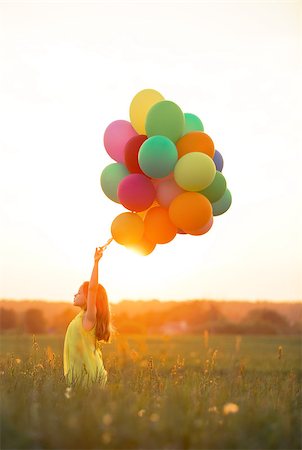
288,302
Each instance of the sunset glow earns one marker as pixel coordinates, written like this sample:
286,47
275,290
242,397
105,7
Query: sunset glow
67,73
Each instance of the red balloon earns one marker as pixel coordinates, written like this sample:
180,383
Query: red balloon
131,153
136,192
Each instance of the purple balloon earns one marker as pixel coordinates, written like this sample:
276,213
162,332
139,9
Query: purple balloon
116,136
218,160
136,192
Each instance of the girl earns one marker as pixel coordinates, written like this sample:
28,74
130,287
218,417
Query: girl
83,362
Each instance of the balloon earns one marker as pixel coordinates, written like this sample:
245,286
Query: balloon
143,247
166,191
218,160
116,136
194,171
204,229
127,228
140,106
136,192
190,211
192,123
157,181
157,156
166,173
216,189
166,119
158,226
195,141
142,214
223,204
131,153
110,179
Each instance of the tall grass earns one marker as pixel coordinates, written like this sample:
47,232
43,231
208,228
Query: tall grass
183,392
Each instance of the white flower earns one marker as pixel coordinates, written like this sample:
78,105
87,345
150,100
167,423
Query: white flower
230,408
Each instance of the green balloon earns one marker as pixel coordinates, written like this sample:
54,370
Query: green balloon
165,118
192,123
110,179
216,189
223,204
157,156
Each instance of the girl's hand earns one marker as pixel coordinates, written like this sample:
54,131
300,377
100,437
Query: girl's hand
98,254
100,250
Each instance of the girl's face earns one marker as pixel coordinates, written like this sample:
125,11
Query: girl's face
79,298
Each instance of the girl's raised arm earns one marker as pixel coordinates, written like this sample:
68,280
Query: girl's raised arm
90,314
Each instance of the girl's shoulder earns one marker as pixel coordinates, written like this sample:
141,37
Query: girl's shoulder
77,325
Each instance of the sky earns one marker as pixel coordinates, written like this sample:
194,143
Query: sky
68,69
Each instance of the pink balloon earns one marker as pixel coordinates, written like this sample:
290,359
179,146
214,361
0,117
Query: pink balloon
136,192
116,136
157,181
204,229
166,191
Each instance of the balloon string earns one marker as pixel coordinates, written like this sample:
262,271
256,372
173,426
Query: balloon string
103,247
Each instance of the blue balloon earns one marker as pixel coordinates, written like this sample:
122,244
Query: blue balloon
218,160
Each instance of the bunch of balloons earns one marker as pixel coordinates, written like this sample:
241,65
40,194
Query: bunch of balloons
167,174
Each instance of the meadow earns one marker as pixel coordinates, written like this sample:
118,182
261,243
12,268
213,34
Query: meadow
163,392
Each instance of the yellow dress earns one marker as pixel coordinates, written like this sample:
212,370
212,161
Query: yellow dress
83,361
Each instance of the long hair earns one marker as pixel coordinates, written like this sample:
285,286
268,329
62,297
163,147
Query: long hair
104,327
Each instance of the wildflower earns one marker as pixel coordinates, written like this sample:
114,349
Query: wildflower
50,356
213,359
106,437
39,366
230,408
238,343
134,355
206,338
141,412
213,409
68,392
18,360
280,351
107,419
154,417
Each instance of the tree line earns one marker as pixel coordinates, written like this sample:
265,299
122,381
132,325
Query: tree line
191,317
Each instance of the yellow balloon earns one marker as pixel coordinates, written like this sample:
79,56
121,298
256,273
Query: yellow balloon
194,170
140,106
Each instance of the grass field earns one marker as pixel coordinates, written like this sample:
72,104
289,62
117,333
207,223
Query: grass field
180,392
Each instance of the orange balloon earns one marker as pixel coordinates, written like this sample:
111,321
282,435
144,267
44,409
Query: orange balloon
195,141
190,211
142,214
203,230
158,226
127,228
144,247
